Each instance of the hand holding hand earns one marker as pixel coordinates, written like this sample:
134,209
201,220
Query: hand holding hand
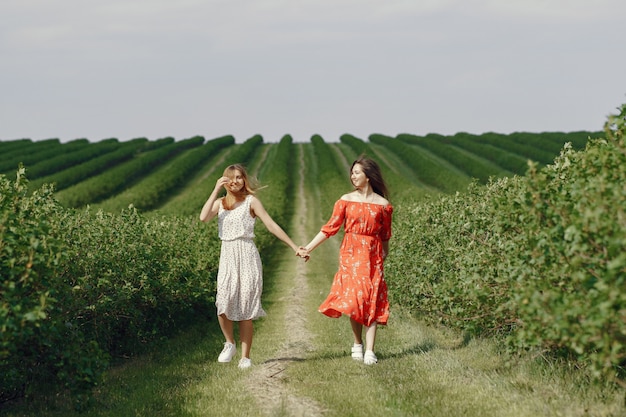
303,253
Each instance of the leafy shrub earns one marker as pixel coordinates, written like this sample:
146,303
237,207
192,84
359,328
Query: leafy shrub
472,143
473,167
358,146
148,193
133,278
27,154
575,231
67,177
538,258
429,170
78,287
66,157
327,173
113,180
35,341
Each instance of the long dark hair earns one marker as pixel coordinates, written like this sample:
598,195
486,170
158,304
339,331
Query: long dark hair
372,172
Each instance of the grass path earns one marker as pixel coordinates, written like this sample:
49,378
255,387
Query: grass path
423,370
302,365
267,382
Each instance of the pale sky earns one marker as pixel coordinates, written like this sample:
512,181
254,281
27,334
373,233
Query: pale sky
154,68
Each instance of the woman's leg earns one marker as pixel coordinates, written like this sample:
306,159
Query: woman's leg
229,347
357,348
246,330
227,328
357,330
370,336
369,358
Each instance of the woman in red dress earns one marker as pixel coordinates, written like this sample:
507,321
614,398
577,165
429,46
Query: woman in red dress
359,289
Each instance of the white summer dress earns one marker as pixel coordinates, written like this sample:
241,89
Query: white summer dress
240,273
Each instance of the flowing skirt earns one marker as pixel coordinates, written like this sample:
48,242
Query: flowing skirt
359,289
239,281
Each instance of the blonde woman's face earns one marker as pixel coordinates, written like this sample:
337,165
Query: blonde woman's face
236,182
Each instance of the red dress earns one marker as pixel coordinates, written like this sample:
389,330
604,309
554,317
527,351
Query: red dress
359,289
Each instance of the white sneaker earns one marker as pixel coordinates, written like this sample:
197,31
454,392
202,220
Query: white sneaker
245,363
357,352
369,358
227,353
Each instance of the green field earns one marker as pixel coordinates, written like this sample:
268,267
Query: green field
506,277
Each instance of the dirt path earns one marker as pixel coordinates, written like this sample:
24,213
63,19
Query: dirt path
267,381
345,163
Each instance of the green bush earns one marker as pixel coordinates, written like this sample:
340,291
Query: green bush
428,169
36,343
539,258
133,278
78,287
327,173
151,191
65,157
574,213
27,154
358,146
472,143
77,173
473,167
112,181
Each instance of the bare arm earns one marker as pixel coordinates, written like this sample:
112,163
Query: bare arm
211,206
272,226
317,240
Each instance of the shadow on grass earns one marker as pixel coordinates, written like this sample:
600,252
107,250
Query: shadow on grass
288,359
418,349
150,384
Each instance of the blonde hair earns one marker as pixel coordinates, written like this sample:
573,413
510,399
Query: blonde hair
250,185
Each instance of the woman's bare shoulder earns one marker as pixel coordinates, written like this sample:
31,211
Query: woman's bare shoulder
381,200
351,196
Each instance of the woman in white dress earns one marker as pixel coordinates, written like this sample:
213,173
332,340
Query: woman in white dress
240,275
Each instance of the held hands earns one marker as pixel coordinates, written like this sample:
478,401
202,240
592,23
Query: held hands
303,253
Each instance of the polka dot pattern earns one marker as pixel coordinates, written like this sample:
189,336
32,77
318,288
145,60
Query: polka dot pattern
240,272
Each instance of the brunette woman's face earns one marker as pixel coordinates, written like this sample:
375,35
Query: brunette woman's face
236,182
358,177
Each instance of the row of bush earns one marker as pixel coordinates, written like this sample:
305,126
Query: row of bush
65,158
429,170
505,142
193,197
539,259
401,180
473,167
326,170
111,181
80,287
32,153
154,189
60,162
74,174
